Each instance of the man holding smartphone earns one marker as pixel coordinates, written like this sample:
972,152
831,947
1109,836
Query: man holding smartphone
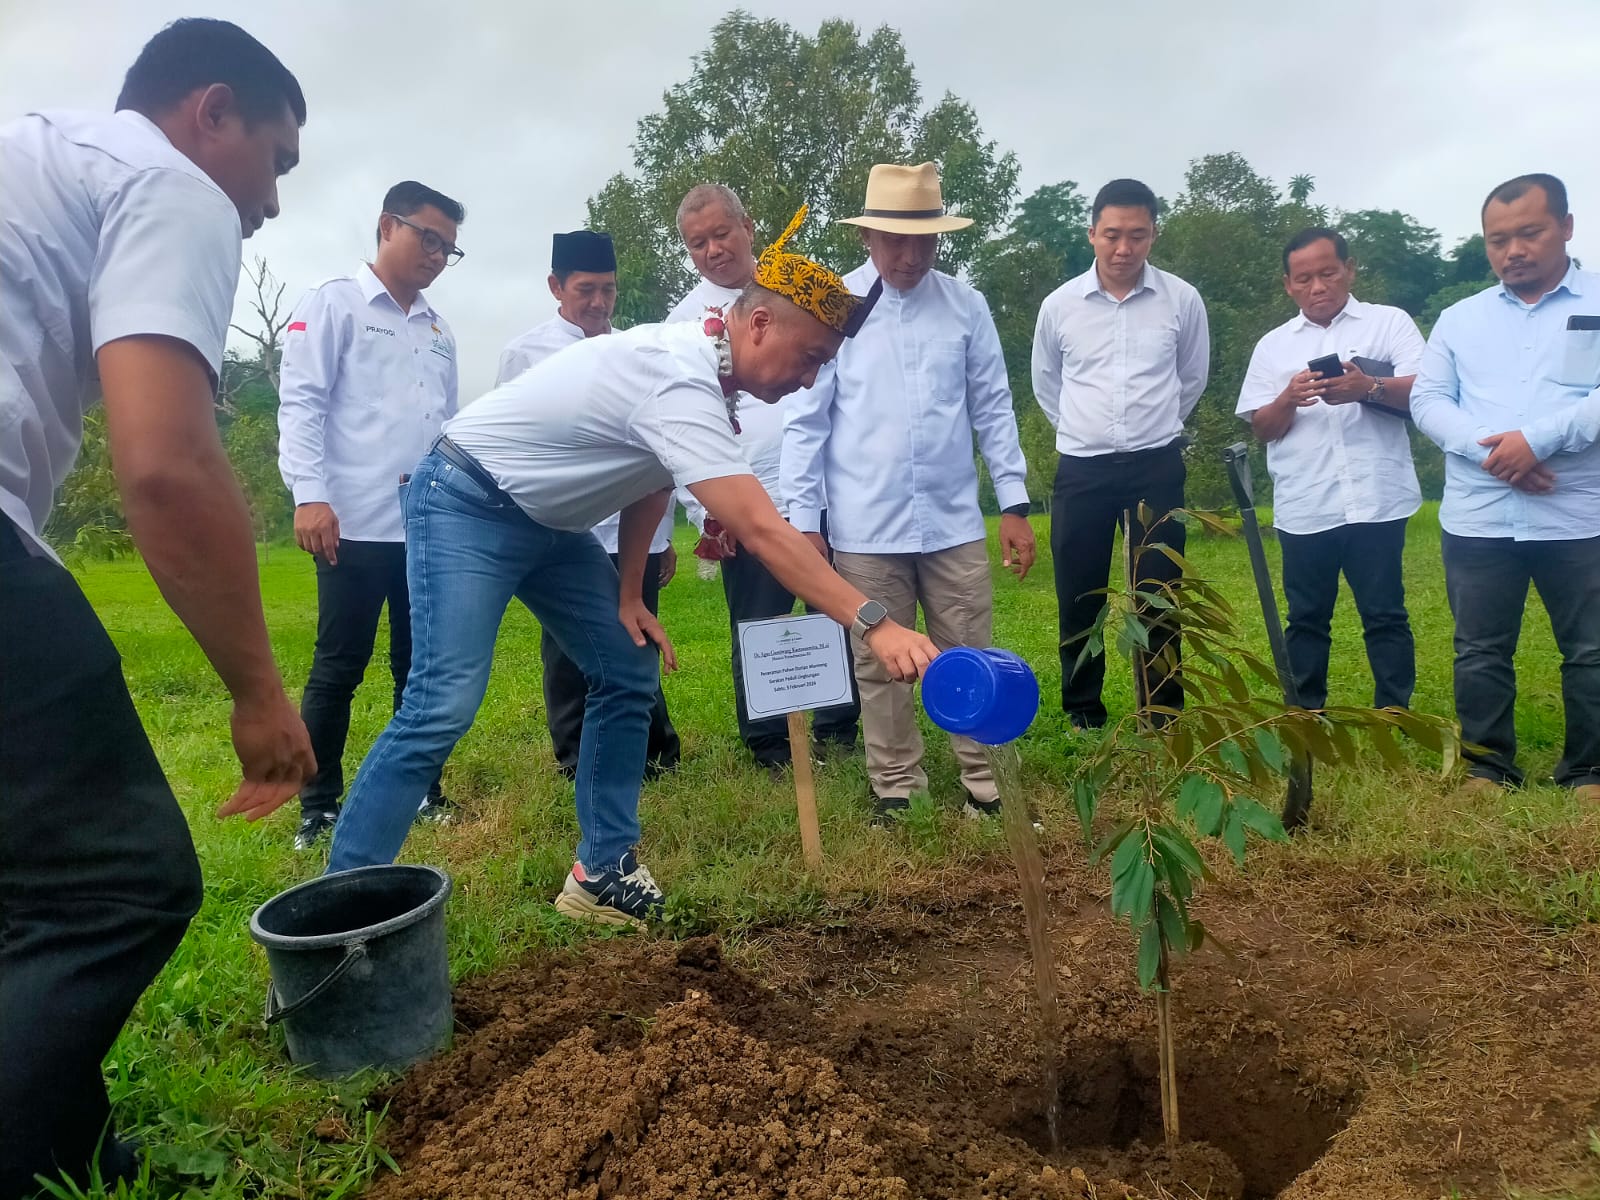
1510,390
1340,458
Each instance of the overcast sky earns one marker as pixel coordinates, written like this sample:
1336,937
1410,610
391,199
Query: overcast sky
522,110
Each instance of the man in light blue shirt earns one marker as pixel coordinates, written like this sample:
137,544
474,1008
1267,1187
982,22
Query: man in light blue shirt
886,435
1510,390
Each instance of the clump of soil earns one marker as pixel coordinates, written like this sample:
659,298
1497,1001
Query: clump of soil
1355,1043
695,1108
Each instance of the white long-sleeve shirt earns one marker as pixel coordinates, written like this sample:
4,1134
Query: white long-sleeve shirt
886,432
363,390
1114,376
531,349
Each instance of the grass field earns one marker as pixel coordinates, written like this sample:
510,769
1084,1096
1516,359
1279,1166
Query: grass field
199,1078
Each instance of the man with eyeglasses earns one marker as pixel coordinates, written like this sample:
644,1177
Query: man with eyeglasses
368,378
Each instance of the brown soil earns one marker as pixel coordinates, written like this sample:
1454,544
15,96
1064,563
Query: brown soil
1354,1042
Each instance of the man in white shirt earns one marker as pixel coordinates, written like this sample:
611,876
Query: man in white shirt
583,280
367,381
886,435
720,239
503,506
119,256
1343,485
1120,357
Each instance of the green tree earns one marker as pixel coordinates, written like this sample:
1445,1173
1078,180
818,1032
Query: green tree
1300,189
786,119
1398,257
1225,235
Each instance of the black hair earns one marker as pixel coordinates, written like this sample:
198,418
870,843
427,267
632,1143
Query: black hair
196,52
563,276
1555,193
1313,235
1124,193
409,196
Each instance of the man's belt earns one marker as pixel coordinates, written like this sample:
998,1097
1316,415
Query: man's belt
468,466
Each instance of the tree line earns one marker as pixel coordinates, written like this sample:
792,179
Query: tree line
785,118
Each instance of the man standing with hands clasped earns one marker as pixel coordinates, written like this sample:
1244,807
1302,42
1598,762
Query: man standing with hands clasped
368,379
1510,390
1120,357
1338,448
886,436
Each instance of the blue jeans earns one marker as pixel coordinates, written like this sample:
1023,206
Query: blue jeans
467,554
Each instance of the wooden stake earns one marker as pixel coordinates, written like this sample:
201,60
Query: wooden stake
1169,1057
805,790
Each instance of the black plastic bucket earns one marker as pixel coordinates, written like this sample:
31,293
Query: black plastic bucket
360,975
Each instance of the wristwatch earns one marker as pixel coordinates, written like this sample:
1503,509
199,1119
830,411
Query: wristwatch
1376,393
868,617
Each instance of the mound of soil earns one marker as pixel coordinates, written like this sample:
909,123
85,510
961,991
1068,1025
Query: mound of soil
1352,1044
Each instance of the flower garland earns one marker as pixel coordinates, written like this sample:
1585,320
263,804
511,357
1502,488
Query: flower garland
717,329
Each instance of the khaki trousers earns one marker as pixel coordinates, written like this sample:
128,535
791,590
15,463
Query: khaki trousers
956,595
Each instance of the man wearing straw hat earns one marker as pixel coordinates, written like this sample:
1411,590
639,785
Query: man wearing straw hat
501,507
886,434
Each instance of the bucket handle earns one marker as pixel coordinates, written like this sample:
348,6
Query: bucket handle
353,952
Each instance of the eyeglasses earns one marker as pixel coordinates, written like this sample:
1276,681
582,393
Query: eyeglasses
432,243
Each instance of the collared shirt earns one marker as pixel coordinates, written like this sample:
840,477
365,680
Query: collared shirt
1339,464
538,344
1495,364
887,429
604,423
760,424
531,349
1114,376
106,232
363,390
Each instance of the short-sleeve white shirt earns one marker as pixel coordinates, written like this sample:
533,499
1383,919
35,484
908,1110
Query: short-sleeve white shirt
529,350
106,232
604,423
1339,464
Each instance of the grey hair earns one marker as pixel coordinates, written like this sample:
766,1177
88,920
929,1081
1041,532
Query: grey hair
702,195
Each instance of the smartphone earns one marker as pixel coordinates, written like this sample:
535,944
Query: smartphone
1581,321
1328,366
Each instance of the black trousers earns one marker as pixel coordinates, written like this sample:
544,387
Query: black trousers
566,692
1487,581
98,876
1369,554
350,599
1091,495
754,594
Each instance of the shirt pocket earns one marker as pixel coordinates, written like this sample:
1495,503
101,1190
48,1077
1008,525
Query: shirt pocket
1155,343
944,367
1580,358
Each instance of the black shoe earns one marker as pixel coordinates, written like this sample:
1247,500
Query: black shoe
976,810
570,774
627,895
314,827
655,768
119,1162
886,810
1082,722
438,810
